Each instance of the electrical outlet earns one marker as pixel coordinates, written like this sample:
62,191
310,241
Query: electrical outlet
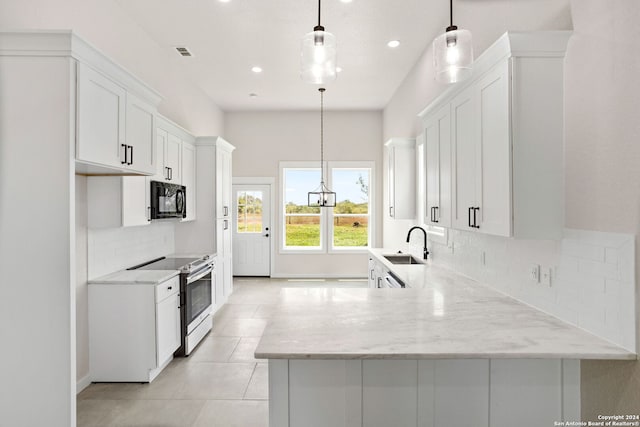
546,276
534,273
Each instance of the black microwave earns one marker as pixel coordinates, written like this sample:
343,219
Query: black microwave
168,200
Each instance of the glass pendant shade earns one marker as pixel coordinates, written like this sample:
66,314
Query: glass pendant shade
453,56
318,57
322,197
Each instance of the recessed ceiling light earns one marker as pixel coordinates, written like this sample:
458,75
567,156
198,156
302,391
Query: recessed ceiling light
253,95
256,69
224,1
393,43
338,69
346,1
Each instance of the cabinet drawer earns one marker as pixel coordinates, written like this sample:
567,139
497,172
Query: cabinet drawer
167,288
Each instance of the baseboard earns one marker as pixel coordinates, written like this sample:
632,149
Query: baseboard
317,276
83,383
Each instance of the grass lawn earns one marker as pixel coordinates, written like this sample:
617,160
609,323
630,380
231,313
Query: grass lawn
309,235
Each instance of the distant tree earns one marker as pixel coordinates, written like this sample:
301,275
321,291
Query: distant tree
364,187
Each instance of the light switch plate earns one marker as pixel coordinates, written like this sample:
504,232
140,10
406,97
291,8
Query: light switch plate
546,276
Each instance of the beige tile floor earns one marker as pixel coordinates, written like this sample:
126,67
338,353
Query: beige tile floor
220,384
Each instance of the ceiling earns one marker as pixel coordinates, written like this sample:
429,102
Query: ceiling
228,38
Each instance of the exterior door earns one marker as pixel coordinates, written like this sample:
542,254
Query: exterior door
251,230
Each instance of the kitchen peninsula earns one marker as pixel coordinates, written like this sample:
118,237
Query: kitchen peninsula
445,351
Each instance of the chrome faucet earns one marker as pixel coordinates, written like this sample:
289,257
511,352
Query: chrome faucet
425,252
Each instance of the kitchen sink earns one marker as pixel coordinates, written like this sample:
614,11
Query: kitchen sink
402,259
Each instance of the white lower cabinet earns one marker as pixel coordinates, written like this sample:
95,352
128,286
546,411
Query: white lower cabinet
425,393
133,329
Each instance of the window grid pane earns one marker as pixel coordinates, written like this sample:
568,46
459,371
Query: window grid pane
302,224
351,214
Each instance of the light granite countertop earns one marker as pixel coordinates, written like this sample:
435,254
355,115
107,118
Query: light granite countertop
443,315
144,277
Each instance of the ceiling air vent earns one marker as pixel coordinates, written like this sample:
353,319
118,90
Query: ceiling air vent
183,51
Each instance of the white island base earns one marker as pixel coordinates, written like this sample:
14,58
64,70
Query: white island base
424,393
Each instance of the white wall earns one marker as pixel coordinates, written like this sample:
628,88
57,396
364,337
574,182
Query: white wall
37,243
603,208
104,24
263,139
602,157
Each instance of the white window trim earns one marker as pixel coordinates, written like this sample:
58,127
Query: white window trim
372,191
326,216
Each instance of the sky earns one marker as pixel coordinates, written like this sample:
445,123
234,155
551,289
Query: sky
343,183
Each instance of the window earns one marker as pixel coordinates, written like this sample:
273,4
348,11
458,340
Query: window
341,229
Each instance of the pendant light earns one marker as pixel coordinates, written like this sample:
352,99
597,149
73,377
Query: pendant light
453,53
318,57
322,197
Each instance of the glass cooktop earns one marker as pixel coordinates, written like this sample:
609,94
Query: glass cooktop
164,264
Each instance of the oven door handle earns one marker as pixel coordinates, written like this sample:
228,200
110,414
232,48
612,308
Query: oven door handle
204,272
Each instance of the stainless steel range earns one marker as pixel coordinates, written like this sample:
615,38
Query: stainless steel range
196,288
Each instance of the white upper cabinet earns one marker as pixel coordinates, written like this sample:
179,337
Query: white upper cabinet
173,157
100,119
401,178
140,135
115,128
505,134
189,178
437,153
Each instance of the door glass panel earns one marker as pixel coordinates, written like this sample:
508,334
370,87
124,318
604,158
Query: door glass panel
249,211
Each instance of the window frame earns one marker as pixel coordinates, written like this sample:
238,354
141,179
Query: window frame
326,214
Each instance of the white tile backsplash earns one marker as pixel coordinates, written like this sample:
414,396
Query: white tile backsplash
114,249
592,283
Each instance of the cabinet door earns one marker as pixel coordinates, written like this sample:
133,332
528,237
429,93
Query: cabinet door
167,327
464,145
432,163
391,181
161,152
189,178
221,266
223,183
372,273
226,184
100,119
402,178
135,201
140,135
494,197
172,159
443,213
